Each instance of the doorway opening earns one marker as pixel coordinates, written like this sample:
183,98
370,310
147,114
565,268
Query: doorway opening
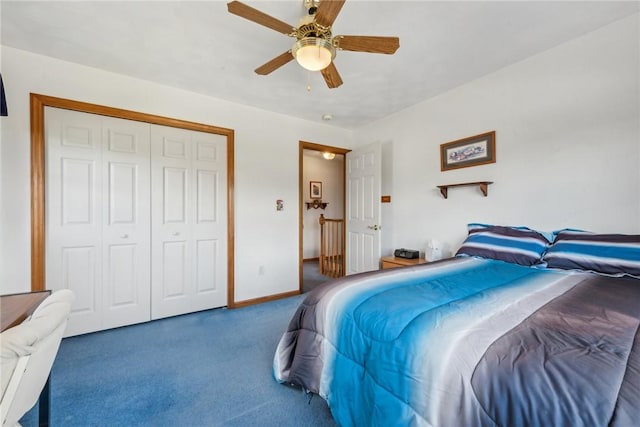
322,198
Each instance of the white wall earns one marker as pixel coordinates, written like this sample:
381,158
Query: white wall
329,172
266,164
567,145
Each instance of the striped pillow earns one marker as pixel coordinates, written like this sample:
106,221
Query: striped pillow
612,254
549,235
517,245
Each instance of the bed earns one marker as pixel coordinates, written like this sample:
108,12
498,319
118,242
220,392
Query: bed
519,328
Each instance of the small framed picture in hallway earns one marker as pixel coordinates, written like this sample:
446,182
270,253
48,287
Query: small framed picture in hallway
315,190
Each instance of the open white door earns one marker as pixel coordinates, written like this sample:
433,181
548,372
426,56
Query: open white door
363,208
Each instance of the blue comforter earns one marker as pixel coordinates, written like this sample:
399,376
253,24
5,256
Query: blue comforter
401,347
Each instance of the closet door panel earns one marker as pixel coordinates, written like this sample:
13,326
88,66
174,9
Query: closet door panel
174,196
189,207
174,230
174,270
122,286
126,229
210,219
79,273
171,287
207,189
122,193
78,191
206,280
97,241
74,214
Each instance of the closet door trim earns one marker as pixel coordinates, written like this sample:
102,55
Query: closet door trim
37,104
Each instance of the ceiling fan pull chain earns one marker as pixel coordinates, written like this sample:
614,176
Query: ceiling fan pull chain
308,81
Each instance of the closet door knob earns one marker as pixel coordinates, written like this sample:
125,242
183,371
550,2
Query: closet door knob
176,233
125,236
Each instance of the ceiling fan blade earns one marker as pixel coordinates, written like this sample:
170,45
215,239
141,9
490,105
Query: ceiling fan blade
274,64
371,44
331,76
328,11
254,15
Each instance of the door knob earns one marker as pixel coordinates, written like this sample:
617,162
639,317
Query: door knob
374,227
177,233
125,236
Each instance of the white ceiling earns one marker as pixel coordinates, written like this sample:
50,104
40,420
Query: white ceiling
200,47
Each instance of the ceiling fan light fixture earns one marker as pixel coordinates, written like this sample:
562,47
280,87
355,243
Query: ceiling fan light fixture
328,156
313,53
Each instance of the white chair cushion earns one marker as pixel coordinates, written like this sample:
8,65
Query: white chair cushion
39,338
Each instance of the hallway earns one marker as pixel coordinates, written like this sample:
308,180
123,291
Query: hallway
311,277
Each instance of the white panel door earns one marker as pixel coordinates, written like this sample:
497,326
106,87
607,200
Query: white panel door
97,217
73,213
209,230
363,209
126,232
189,223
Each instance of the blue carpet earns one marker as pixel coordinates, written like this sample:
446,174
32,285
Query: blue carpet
311,277
211,368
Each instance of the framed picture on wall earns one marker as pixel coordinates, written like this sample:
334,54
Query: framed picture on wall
472,151
315,189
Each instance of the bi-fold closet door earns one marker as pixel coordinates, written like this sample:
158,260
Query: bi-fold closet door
189,223
135,219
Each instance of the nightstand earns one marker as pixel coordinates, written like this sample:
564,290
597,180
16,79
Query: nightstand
393,262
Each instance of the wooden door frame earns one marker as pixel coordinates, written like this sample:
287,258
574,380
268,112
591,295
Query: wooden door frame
305,145
38,103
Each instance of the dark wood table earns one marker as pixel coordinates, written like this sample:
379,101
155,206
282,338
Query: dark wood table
14,309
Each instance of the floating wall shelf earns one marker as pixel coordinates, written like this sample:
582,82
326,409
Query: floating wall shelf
316,204
484,187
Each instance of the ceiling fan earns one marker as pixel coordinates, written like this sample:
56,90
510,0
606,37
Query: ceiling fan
315,46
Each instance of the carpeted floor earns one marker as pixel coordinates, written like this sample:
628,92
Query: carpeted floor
311,277
212,368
